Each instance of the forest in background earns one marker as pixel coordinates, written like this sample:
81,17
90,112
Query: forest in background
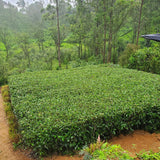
75,33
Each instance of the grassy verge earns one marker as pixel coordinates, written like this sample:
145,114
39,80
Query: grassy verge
13,125
103,151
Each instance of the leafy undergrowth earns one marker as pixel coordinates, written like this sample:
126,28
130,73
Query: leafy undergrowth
64,110
148,156
105,151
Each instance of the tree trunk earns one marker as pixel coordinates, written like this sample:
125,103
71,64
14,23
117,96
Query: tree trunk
29,63
134,34
58,29
139,23
105,27
96,50
51,63
7,54
28,57
110,35
79,50
39,46
109,48
85,52
114,50
42,47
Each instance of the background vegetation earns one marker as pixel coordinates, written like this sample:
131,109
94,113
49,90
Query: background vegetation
89,32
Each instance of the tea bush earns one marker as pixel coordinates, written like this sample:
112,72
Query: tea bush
64,110
147,59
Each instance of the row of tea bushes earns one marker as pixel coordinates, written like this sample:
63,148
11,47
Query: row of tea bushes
64,110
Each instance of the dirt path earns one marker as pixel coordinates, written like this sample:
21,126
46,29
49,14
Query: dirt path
6,148
134,143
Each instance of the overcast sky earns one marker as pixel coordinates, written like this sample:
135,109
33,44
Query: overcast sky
27,1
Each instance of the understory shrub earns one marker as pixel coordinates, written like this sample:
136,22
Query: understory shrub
147,59
128,52
148,155
103,151
64,110
107,151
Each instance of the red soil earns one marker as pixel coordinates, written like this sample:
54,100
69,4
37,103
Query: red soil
138,141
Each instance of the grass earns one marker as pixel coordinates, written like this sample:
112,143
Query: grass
103,150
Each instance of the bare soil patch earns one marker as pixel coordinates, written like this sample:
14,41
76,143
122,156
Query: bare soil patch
6,148
134,143
138,141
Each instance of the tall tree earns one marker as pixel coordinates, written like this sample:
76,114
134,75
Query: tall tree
97,28
39,36
110,31
24,44
53,15
21,4
33,11
119,10
80,26
56,3
5,38
105,30
54,10
139,22
58,29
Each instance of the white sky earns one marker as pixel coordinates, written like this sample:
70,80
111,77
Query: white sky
27,1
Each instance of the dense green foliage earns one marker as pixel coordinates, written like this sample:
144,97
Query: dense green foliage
128,52
88,30
149,156
67,109
147,59
103,151
106,151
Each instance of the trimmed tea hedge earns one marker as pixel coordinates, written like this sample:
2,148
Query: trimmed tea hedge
62,111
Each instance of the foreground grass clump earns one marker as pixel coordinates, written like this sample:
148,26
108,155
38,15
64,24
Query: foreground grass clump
106,151
103,151
64,110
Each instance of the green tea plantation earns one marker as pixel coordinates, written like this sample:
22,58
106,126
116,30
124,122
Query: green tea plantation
62,111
